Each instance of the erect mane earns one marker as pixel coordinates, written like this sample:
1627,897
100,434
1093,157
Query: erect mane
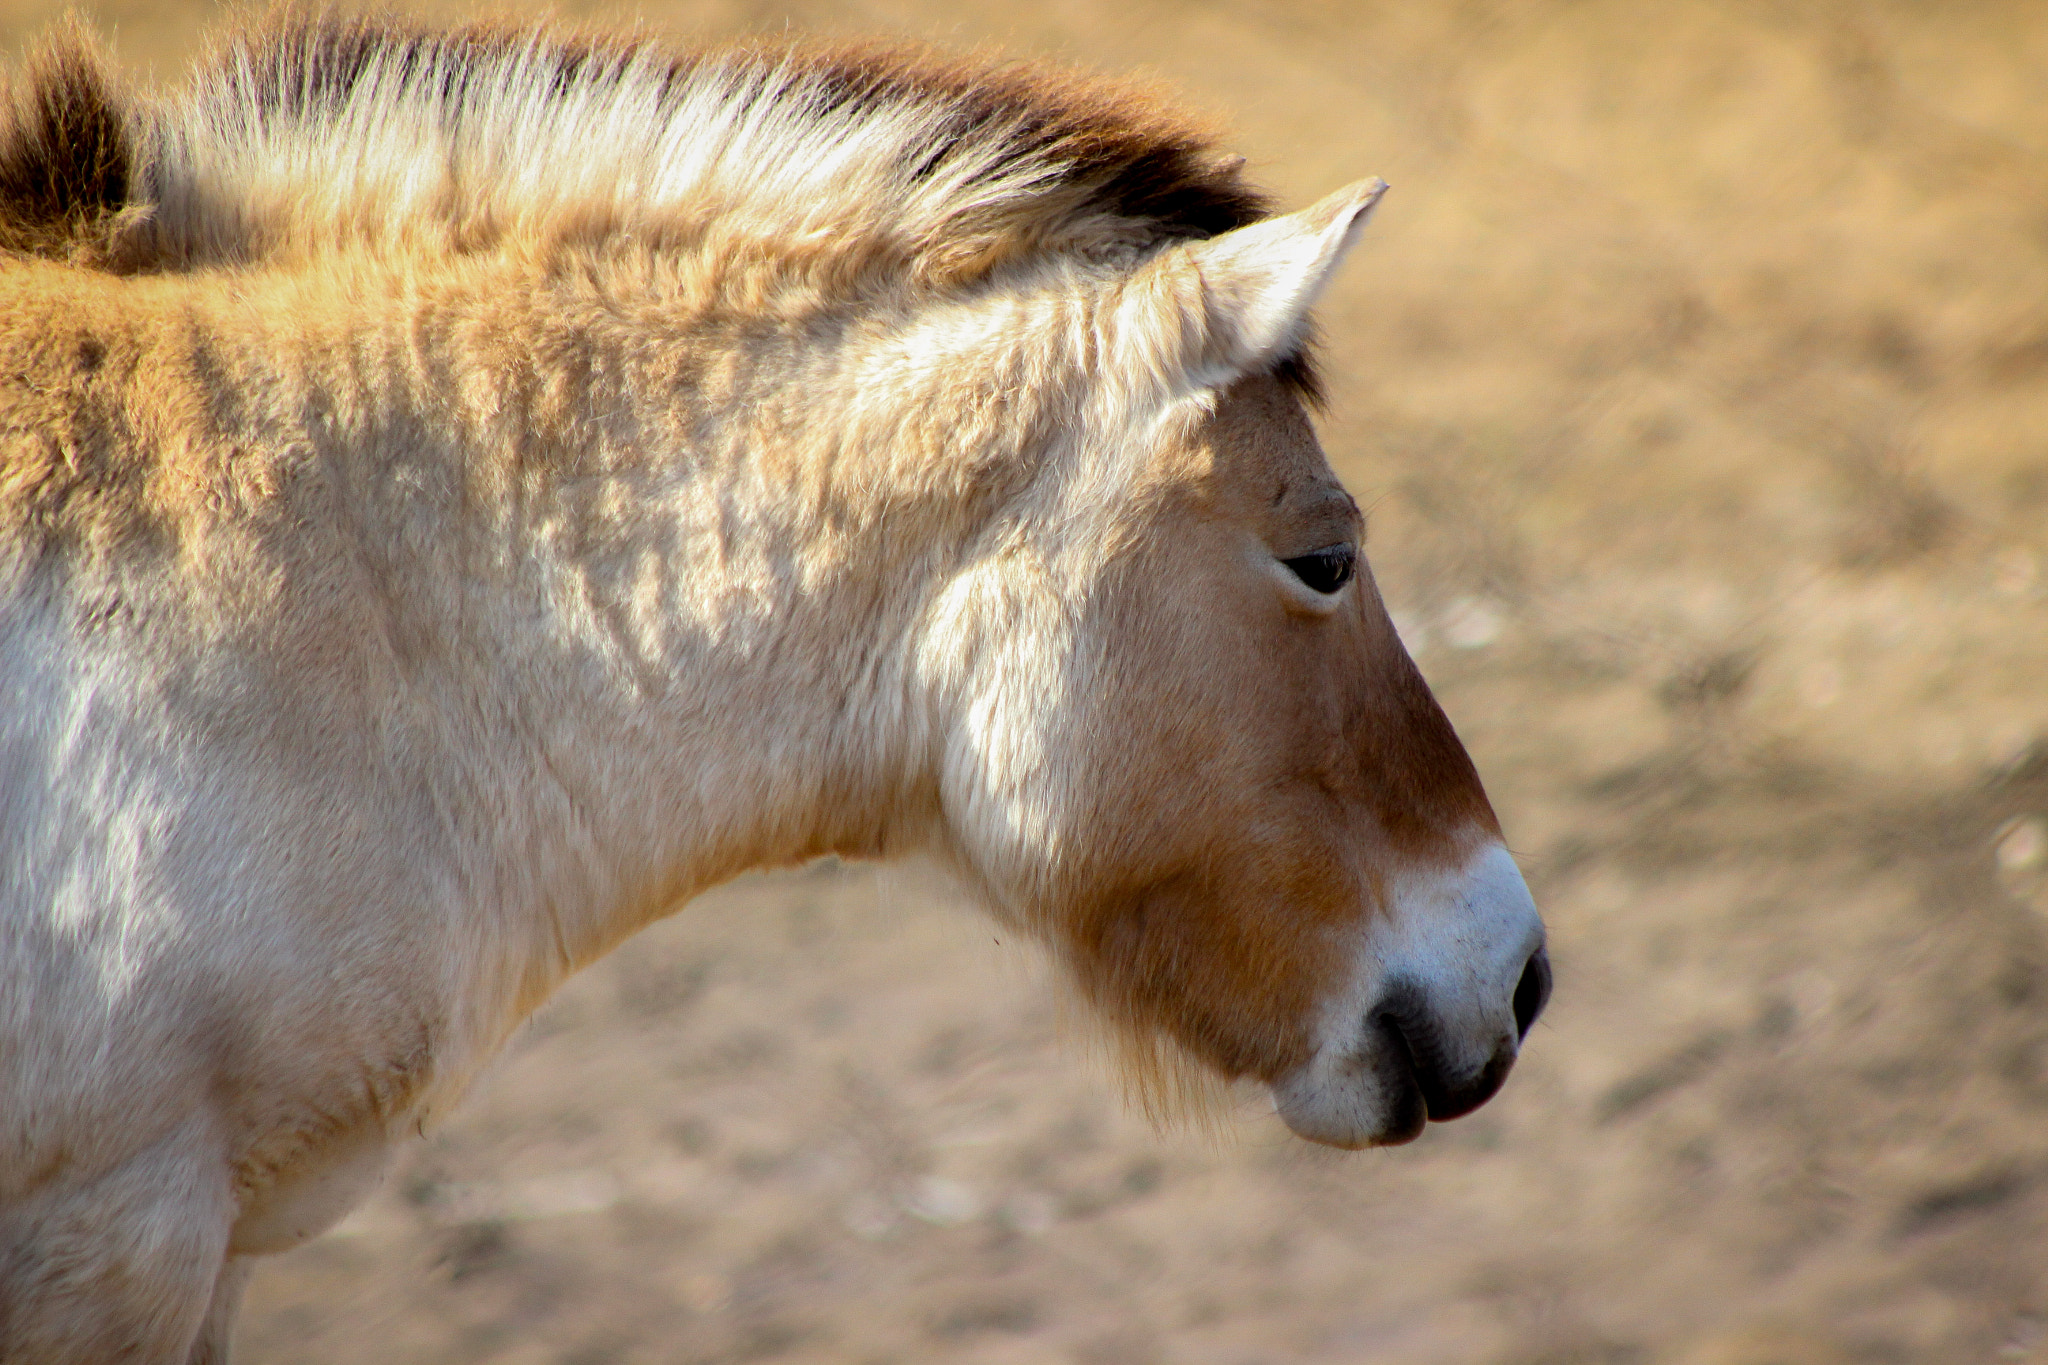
379,126
67,152
310,133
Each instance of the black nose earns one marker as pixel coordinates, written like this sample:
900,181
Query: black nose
1406,1020
1448,1092
1532,992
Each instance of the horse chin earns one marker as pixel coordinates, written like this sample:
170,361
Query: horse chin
1368,1099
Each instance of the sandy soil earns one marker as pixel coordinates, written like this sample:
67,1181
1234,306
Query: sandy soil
1696,371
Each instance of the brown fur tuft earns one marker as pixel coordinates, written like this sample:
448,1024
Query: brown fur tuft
66,153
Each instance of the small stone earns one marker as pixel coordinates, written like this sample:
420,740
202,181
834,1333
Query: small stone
2023,845
1472,623
942,1202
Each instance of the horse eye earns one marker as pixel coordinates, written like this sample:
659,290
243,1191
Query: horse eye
1327,569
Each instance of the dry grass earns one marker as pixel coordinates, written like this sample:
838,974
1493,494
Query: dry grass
1697,373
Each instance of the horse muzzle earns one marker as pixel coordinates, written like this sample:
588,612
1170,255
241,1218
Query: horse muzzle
1442,1001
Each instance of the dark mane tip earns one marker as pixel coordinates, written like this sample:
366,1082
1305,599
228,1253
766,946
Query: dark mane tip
67,153
1126,148
1127,166
1299,373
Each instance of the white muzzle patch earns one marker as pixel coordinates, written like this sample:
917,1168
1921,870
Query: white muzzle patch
1445,988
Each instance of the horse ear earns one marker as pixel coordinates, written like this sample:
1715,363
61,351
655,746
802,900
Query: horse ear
1257,283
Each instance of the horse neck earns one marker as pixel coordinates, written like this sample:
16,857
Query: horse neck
693,560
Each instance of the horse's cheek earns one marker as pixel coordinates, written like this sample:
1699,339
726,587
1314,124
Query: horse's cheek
1198,965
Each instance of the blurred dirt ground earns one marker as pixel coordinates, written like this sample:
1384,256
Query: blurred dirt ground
1696,372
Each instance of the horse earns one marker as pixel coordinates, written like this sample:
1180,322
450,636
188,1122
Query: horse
463,492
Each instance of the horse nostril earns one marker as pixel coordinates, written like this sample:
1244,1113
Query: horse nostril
1532,992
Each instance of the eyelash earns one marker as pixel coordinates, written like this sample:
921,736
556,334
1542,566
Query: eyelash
1326,570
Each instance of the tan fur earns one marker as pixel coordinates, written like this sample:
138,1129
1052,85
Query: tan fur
416,576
